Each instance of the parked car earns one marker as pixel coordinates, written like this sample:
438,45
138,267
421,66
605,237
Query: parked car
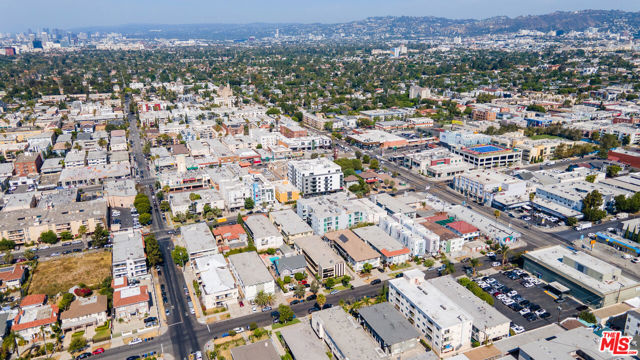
266,308
84,355
238,330
375,282
135,341
98,351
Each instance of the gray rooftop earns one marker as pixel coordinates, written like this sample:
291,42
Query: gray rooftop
291,263
260,226
303,343
122,187
127,245
198,238
564,346
290,223
378,239
261,350
250,268
348,336
483,314
388,323
318,250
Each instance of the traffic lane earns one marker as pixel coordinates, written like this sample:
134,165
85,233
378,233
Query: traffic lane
158,345
301,310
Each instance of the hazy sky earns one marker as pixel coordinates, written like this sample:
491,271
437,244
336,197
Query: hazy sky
18,15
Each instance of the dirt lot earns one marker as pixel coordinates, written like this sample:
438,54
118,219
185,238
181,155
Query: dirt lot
60,274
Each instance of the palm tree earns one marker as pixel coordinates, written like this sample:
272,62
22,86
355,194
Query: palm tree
264,299
475,262
321,300
505,253
11,342
366,301
82,231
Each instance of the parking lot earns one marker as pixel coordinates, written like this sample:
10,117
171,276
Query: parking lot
535,218
535,295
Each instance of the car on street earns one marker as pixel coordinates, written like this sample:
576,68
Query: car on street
495,263
266,308
375,282
334,292
135,341
238,330
84,355
134,357
98,351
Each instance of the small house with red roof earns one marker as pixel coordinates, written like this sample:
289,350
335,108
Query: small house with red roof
12,277
35,317
464,229
129,301
230,237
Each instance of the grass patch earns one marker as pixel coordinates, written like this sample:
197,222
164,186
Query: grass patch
544,136
102,335
54,276
279,325
78,333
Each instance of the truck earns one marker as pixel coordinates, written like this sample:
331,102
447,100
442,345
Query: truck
583,225
622,216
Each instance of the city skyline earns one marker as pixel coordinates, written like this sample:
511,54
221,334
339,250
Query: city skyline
70,14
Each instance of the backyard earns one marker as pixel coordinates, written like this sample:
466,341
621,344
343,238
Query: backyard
60,274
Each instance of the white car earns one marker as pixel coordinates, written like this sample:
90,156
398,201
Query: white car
491,280
540,312
524,311
491,253
508,301
238,330
512,293
135,341
527,285
482,284
517,329
254,309
495,263
635,260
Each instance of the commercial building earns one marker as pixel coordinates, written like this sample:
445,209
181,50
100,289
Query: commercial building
570,194
484,185
128,259
265,235
488,324
377,139
120,193
493,230
485,156
393,333
590,280
344,337
629,158
198,240
316,176
290,225
438,163
216,281
446,327
93,175
355,251
391,250
463,138
321,260
632,323
251,274
181,202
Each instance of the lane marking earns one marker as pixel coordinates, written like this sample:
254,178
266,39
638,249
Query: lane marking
175,323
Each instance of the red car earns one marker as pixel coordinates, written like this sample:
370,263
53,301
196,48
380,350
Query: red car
98,351
241,303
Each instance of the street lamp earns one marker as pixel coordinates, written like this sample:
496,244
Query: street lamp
559,311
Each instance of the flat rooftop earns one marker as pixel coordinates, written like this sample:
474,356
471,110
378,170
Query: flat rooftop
303,342
290,223
388,323
260,226
250,268
318,250
127,245
198,238
552,257
382,242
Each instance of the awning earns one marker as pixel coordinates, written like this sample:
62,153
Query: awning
559,287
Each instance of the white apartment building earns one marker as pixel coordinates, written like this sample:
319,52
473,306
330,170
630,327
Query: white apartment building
128,257
216,281
330,213
262,190
488,323
412,235
446,327
234,193
315,176
251,275
265,235
570,194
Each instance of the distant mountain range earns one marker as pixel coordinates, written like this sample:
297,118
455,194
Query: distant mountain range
391,27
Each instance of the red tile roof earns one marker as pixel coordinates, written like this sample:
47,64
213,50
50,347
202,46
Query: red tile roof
462,227
17,326
229,232
35,299
119,301
119,282
388,253
438,217
15,273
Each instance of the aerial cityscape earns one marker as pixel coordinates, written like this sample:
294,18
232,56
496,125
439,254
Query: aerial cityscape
409,186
